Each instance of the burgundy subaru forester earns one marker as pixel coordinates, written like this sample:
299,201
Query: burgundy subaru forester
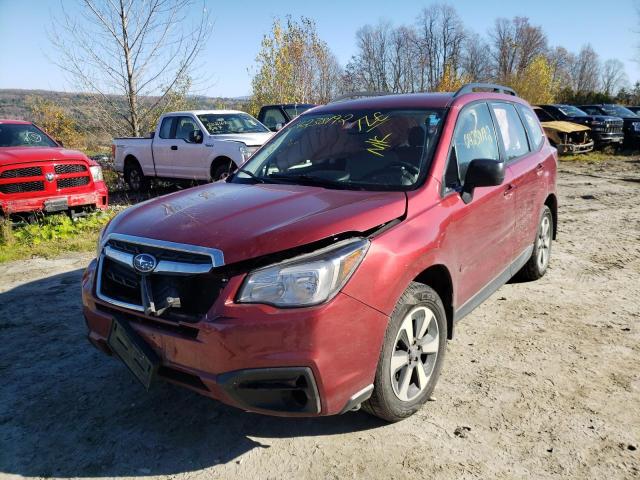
329,271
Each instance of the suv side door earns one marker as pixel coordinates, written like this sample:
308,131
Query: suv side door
480,232
522,141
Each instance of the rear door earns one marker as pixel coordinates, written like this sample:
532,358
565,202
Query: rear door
522,140
481,232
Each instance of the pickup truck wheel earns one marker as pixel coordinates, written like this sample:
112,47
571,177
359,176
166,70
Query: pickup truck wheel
412,355
135,178
537,265
221,170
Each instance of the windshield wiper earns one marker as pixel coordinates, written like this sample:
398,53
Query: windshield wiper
306,179
250,174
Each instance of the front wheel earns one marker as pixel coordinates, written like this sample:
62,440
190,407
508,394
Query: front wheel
412,355
222,169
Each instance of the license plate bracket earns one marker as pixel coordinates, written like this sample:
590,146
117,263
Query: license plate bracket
56,205
139,357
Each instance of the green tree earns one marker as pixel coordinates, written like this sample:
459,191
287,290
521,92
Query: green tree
293,66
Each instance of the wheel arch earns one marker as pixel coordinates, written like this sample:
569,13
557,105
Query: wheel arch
552,203
438,277
129,159
220,160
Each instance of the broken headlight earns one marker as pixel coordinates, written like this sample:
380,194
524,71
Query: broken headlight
306,280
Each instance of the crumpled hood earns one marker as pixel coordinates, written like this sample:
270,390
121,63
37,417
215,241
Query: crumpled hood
12,155
248,221
249,139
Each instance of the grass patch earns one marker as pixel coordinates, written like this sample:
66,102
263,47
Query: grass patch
599,156
51,235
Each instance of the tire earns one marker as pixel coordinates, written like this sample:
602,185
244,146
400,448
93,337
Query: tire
135,178
407,371
538,264
221,170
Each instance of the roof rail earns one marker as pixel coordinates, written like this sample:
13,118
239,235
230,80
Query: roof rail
492,87
351,95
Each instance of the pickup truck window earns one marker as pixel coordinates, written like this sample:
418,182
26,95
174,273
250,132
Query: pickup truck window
220,124
294,111
364,149
474,138
23,135
514,137
185,126
273,117
165,128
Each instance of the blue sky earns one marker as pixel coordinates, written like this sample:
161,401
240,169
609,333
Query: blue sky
612,27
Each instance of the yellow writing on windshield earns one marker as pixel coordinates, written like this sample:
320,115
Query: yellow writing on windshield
367,124
378,145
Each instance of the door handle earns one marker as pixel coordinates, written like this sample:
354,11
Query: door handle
174,147
509,190
539,169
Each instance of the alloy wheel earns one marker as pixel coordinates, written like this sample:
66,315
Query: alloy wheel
415,353
543,243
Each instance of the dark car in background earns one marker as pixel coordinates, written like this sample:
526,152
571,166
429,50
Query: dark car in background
274,117
605,129
631,121
634,108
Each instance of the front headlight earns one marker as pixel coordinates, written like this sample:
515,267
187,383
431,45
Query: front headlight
307,280
597,123
96,173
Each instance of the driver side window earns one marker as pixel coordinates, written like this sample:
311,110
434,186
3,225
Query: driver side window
474,138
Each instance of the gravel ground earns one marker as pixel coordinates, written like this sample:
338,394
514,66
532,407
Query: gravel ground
542,381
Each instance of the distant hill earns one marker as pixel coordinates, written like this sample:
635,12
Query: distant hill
13,103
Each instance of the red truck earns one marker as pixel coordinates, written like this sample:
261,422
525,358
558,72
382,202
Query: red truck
329,271
38,174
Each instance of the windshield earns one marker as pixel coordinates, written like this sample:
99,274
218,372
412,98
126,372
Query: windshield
294,110
618,111
220,124
571,111
23,135
364,149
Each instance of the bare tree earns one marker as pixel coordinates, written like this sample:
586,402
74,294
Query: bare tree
440,39
476,60
516,43
134,48
561,62
585,71
613,76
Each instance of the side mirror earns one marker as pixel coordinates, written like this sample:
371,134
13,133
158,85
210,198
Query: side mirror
195,136
482,172
278,127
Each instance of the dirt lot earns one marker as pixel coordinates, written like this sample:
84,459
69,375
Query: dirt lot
542,381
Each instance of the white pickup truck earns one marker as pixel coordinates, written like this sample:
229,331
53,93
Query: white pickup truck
195,145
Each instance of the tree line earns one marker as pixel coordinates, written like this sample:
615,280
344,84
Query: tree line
436,52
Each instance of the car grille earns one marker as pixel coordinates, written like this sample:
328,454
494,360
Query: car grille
120,284
613,129
72,182
21,187
22,172
69,168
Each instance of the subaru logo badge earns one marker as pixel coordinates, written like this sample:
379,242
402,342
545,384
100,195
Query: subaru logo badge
144,263
49,177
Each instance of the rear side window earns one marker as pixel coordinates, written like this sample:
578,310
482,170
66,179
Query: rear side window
533,127
474,138
514,137
165,128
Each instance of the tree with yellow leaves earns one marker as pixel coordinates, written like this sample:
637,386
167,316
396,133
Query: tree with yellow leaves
56,122
535,83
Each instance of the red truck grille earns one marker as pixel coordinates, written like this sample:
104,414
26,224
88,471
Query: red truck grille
72,182
22,172
22,187
70,168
